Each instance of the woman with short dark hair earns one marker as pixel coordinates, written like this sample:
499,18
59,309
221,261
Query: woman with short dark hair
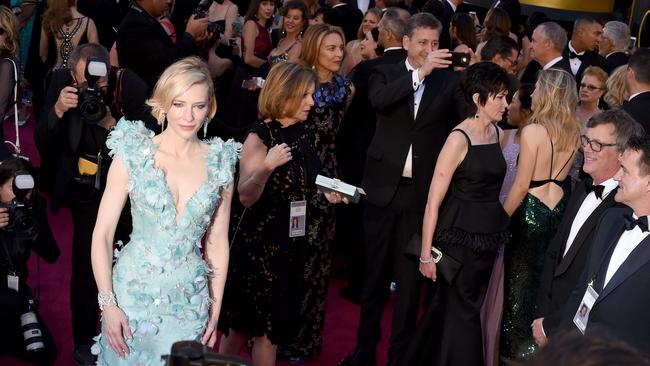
466,229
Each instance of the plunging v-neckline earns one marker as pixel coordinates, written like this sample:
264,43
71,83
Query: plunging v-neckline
178,215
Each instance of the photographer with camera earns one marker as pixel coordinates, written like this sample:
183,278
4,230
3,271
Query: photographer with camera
143,45
23,229
81,107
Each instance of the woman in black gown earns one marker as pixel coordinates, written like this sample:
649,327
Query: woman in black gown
467,227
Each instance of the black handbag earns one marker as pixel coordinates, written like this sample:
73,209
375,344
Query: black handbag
447,266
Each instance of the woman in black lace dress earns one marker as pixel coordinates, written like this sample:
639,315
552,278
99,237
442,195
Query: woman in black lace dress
322,50
278,168
468,227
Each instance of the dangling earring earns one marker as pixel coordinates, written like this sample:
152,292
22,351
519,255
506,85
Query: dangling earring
205,128
164,122
476,116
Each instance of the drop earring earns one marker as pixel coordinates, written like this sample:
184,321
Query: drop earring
205,128
476,116
164,122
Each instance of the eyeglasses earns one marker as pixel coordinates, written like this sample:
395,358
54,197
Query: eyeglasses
593,144
589,87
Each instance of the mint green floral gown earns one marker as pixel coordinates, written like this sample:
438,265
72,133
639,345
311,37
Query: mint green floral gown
160,279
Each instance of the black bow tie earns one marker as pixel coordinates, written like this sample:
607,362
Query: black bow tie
641,222
575,55
598,190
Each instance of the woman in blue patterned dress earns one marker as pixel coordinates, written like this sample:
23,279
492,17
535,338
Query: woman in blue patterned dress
161,289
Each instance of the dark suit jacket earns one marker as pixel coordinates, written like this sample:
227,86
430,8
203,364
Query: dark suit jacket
561,273
354,4
445,37
530,73
391,95
347,17
622,306
359,122
144,47
638,108
589,58
616,59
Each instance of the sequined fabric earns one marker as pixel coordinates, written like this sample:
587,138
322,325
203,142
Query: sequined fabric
160,279
532,226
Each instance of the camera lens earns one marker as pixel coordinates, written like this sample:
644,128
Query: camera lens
31,332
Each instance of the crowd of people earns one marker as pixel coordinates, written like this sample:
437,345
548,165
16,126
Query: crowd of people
504,167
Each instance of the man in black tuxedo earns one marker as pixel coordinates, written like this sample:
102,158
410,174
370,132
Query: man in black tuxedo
450,7
606,137
354,137
362,5
143,45
618,266
547,42
67,141
417,104
582,48
345,16
637,81
614,44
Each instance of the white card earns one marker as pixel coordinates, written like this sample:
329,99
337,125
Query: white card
12,282
297,219
582,314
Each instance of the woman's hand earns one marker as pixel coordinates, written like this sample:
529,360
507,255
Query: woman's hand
4,218
428,270
116,329
278,155
210,335
335,197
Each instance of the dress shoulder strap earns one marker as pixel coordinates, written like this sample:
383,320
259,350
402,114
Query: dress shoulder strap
497,129
565,164
469,141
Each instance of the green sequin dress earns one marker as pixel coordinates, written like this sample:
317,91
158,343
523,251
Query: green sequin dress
532,226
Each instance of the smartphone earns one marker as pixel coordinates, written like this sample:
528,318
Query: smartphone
253,83
632,43
460,59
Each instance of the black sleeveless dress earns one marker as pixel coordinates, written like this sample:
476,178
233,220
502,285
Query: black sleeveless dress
471,225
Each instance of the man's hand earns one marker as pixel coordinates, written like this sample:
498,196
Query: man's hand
197,28
68,99
4,218
538,332
438,59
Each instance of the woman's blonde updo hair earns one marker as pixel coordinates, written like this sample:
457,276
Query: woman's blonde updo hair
8,22
176,80
617,92
284,88
554,103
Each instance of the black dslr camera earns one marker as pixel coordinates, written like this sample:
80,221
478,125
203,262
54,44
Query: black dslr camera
20,209
201,11
91,101
188,353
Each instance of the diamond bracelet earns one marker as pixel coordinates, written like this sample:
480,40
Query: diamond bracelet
106,299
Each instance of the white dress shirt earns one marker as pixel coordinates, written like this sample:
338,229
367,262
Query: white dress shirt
575,62
363,5
453,6
628,241
418,90
586,209
552,62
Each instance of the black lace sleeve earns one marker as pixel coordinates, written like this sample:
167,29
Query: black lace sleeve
7,82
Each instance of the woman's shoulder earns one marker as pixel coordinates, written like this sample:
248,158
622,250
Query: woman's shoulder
128,137
222,157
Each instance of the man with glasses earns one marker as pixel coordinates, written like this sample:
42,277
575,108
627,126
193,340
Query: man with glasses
603,143
503,51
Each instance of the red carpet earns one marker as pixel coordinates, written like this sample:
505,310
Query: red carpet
340,324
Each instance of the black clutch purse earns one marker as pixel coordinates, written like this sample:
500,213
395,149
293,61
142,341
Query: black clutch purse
446,265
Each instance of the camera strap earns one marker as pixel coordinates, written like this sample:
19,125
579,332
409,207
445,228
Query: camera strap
118,90
13,279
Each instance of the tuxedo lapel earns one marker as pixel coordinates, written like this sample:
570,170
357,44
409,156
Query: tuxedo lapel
609,242
639,257
430,89
584,232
